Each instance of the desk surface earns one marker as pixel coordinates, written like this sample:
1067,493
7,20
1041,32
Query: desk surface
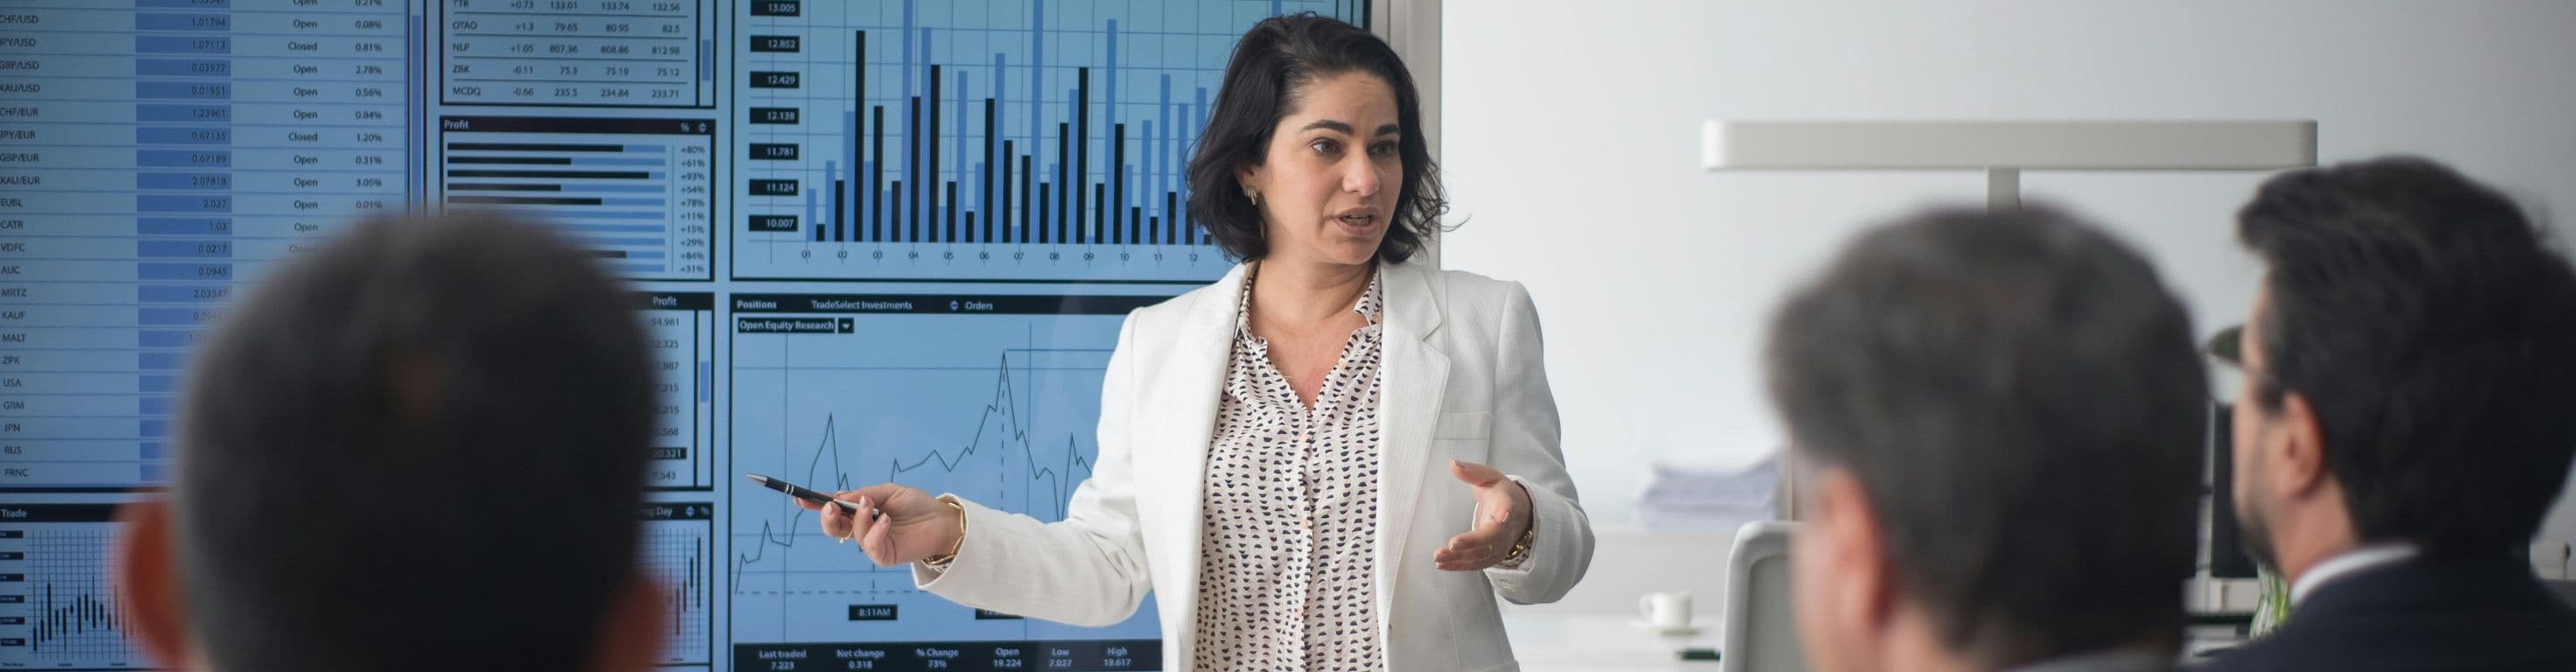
1551,642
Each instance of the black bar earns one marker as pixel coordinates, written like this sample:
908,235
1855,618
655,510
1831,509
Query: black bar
574,174
913,165
513,160
876,172
894,211
1025,178
520,200
608,125
1118,177
1172,213
1082,154
970,226
1099,213
1064,183
1136,225
948,209
501,186
529,147
840,216
930,152
1043,202
986,189
1006,192
1154,224
858,96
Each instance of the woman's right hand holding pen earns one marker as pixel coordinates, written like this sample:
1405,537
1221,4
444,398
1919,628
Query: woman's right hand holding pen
894,524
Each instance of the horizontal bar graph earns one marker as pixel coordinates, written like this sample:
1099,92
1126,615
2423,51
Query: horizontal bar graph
636,192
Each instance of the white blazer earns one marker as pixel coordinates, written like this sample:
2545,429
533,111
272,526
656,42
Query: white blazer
1463,379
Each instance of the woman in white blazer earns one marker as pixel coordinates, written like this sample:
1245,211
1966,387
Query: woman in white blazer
1367,522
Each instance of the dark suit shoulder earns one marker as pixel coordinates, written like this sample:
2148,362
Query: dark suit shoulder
2424,614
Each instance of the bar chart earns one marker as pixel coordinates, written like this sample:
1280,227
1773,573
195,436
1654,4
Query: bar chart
979,140
59,605
678,548
636,192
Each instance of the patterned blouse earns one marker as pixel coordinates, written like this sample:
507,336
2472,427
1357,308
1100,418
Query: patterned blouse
1288,546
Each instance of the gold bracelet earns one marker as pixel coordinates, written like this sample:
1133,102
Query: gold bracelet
940,562
1521,548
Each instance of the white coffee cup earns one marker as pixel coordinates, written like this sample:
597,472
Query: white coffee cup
1665,611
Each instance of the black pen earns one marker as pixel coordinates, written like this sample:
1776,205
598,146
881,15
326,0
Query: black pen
800,492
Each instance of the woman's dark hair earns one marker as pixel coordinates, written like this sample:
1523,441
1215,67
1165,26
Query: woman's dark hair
1278,55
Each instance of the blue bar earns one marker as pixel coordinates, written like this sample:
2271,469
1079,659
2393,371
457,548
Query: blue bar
183,113
184,90
636,202
154,450
706,393
644,255
154,427
210,22
183,271
614,188
158,361
152,406
809,204
196,181
655,176
182,203
180,158
192,249
165,339
171,135
151,472
607,161
167,316
179,67
634,268
593,241
182,294
165,226
647,149
576,215
182,44
611,228
183,4
156,384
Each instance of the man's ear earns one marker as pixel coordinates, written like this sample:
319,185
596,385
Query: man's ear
634,628
1852,532
147,572
2301,449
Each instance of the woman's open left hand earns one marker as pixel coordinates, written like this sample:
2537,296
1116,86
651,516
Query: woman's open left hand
1502,515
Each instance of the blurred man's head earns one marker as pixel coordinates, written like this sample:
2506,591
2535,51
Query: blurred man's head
1998,419
421,447
2411,366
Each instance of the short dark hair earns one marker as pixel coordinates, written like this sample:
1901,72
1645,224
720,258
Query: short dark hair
377,446
2019,397
1278,55
2433,333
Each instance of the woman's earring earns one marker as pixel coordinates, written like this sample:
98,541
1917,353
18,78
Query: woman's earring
1254,195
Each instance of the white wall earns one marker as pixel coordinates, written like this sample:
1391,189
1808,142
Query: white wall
1570,150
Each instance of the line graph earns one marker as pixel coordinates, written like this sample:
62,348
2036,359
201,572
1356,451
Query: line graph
995,402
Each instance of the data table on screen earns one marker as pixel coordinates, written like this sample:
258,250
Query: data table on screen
158,155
